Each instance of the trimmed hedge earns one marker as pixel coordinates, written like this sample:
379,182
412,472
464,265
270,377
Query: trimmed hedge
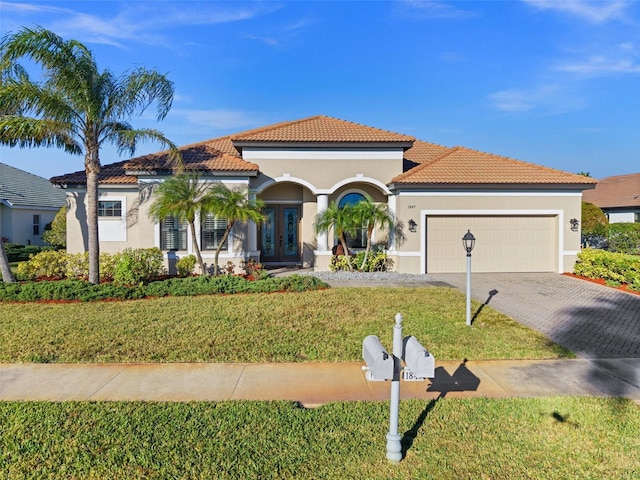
78,290
613,268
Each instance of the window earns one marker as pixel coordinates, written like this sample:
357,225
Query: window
359,240
36,224
213,229
173,234
636,217
110,208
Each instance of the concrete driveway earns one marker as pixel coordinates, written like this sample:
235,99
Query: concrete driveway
594,321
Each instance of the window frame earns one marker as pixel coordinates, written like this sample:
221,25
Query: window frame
211,236
179,233
111,211
37,219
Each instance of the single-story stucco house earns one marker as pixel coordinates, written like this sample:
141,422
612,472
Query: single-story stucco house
521,214
27,204
618,197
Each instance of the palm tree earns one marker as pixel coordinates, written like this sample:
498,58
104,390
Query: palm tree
76,107
5,269
371,215
183,197
234,206
342,220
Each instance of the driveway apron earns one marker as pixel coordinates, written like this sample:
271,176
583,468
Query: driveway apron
591,320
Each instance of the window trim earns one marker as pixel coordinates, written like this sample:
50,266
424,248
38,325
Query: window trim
180,232
110,212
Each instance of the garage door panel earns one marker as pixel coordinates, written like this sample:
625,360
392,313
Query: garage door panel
503,243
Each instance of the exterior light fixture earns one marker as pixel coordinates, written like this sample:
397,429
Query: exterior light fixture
468,242
413,226
575,224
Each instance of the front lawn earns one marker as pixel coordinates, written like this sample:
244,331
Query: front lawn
557,438
327,325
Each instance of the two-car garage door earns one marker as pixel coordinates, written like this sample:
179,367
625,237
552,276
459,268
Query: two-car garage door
504,243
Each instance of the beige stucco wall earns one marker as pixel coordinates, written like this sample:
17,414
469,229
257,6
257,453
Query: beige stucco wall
565,205
138,229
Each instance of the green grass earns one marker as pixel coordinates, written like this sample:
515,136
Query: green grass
559,438
326,325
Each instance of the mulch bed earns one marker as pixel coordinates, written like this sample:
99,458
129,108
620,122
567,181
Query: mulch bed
599,281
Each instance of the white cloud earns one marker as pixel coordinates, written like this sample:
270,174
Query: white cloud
140,22
600,65
595,12
430,9
546,99
218,119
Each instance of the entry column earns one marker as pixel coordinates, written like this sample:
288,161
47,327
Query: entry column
322,202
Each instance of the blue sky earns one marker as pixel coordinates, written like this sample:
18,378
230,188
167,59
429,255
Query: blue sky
551,82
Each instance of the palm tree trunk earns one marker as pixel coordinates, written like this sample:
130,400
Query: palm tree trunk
196,248
92,167
368,249
7,276
343,242
225,236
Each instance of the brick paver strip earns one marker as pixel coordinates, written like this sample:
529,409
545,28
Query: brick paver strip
592,320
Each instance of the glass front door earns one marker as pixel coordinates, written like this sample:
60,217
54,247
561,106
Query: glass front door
279,235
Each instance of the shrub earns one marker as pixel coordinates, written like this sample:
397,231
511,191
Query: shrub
615,268
47,264
138,265
185,265
594,221
22,253
55,233
377,261
624,238
189,286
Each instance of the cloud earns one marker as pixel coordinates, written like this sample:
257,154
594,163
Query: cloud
139,22
595,12
546,99
218,119
430,9
600,66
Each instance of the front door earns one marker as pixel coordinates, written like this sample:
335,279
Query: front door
279,238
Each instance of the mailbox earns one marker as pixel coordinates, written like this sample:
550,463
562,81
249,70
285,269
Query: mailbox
417,359
380,365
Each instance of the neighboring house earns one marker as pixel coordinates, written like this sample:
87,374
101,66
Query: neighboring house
618,197
27,204
520,213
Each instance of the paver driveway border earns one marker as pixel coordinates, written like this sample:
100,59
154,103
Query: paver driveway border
591,320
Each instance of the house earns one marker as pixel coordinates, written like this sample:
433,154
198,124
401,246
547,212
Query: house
27,204
520,213
618,197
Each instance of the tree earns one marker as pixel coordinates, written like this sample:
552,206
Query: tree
343,220
76,107
234,206
5,269
184,197
55,233
594,221
370,215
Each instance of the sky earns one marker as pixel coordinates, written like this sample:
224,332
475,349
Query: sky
550,82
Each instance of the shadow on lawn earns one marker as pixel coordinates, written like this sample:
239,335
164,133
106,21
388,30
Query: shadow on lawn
462,380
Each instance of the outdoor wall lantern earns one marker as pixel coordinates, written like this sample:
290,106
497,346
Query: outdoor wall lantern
413,226
468,242
575,223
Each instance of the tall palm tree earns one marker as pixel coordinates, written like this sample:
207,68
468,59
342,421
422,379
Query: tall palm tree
343,221
76,107
371,215
5,269
184,197
234,206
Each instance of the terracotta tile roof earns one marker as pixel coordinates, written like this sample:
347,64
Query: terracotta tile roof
320,129
211,155
461,165
202,157
617,191
423,152
111,174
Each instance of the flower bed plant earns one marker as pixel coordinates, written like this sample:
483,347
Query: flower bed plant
614,268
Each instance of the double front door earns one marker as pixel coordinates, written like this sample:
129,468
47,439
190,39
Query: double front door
279,237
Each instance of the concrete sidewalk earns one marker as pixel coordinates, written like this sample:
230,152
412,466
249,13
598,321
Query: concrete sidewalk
314,383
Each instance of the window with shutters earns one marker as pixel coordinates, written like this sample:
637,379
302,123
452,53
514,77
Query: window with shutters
212,231
173,234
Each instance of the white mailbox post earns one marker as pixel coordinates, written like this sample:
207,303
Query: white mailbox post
381,366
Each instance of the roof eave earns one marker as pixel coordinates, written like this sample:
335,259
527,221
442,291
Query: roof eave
240,144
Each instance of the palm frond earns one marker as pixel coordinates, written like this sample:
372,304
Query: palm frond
24,132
